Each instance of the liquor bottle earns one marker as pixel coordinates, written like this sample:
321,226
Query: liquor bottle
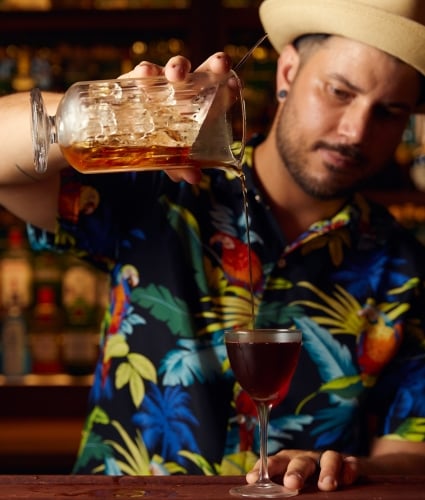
47,271
23,80
16,272
14,341
80,303
45,332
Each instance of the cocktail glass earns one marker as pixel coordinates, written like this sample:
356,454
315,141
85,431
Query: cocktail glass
144,124
263,362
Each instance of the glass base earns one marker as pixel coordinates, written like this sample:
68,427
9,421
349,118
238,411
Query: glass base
263,490
41,127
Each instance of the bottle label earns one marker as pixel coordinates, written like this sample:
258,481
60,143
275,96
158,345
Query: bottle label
16,278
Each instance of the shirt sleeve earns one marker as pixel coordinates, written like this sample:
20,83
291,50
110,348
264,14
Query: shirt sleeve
94,212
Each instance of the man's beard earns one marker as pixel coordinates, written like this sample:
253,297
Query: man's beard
293,152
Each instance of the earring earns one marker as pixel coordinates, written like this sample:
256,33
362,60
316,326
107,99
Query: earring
282,94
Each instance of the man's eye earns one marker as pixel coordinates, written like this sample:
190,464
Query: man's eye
338,93
394,113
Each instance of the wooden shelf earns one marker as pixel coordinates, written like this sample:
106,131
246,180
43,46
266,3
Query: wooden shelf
60,379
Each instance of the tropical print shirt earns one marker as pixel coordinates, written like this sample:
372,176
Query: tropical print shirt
164,400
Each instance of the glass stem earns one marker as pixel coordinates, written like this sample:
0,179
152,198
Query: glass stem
263,410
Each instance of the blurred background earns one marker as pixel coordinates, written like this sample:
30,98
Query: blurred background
59,42
50,305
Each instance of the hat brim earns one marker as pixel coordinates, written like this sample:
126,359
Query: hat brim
285,21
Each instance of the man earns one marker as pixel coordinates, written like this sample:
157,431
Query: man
325,260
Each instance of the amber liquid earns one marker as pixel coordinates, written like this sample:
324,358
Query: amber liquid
106,158
264,369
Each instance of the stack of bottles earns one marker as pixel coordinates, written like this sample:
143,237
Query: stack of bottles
51,308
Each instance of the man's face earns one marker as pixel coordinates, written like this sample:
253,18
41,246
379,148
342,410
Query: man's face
344,116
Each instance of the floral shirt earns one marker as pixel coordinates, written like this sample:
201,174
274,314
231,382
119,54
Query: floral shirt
164,400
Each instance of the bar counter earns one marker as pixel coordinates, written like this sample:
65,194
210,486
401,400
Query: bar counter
47,487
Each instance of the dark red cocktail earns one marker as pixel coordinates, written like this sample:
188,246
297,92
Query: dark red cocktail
263,362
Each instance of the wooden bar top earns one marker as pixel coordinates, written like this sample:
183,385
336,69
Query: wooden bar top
48,487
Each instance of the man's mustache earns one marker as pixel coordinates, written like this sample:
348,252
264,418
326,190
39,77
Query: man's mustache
351,152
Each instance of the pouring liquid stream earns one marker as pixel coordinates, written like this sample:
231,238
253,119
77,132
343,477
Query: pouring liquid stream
241,175
248,240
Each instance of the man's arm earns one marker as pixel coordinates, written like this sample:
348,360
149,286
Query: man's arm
389,456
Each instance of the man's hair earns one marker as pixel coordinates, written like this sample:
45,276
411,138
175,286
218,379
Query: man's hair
307,44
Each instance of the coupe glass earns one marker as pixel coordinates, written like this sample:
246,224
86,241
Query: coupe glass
263,361
144,124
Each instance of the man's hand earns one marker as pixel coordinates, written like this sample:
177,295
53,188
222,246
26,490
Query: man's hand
176,69
297,467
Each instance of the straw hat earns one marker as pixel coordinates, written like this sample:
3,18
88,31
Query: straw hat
394,26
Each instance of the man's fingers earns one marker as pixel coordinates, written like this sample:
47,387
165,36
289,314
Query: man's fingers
276,464
219,63
144,69
177,68
350,470
190,175
298,471
330,470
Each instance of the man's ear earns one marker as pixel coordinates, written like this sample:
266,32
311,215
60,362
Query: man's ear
287,67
